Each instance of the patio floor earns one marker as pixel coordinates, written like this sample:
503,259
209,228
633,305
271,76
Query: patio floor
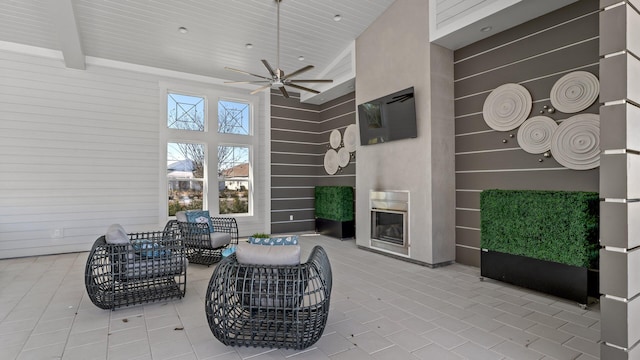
381,308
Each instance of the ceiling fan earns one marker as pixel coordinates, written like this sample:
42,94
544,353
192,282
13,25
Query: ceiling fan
277,77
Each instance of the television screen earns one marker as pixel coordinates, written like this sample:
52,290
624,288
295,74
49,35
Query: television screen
389,118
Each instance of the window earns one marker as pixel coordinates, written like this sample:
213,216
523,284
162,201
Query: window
185,176
233,179
233,117
202,126
185,112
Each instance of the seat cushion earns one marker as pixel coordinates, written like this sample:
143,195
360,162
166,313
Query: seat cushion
220,239
251,254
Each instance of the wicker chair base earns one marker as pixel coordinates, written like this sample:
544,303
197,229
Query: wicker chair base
281,329
270,306
204,256
139,292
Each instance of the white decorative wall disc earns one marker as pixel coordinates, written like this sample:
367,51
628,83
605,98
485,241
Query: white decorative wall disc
507,107
343,157
349,138
335,138
576,142
331,161
575,91
534,136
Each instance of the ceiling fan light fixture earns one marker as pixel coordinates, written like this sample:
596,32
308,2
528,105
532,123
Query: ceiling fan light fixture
277,78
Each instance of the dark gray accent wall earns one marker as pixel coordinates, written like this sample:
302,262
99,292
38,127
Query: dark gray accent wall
299,139
535,55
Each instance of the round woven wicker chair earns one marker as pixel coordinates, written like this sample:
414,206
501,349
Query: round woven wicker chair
152,267
277,306
202,245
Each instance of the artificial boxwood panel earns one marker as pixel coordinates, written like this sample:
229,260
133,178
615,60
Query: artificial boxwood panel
334,202
558,226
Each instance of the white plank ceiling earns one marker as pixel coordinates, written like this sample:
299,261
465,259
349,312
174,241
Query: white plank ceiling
145,32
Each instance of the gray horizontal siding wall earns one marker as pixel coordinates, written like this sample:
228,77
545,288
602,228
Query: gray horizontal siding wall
299,140
535,55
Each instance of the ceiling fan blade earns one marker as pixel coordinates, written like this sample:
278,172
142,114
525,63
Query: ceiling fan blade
248,82
269,68
284,92
299,71
310,81
246,73
303,88
261,88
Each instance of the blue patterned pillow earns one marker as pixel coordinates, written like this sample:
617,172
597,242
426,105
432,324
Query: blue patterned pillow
200,216
148,248
228,251
276,240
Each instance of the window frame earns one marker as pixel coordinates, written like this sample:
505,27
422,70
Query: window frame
211,138
251,116
204,180
250,204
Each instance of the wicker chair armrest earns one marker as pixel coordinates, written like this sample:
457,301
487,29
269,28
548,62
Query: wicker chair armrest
319,262
228,225
172,226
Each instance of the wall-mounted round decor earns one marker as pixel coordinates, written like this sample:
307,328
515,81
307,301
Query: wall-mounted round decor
331,161
575,91
335,138
343,157
534,136
576,142
350,137
507,107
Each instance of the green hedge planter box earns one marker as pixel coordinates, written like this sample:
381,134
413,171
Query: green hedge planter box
542,240
334,211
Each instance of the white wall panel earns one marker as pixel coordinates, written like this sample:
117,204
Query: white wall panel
79,150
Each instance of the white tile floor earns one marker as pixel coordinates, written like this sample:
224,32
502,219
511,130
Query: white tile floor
381,308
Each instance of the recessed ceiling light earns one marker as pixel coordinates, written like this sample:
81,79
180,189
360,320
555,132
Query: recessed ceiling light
301,58
337,17
248,45
486,29
183,30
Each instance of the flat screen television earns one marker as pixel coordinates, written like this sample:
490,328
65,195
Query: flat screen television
389,118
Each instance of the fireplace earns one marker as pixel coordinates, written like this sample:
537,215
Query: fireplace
389,226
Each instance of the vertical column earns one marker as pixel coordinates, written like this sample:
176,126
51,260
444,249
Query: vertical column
620,179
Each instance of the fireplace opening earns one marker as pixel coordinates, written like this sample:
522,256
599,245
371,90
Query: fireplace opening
388,226
389,214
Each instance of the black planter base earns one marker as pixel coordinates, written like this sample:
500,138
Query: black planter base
566,281
337,229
